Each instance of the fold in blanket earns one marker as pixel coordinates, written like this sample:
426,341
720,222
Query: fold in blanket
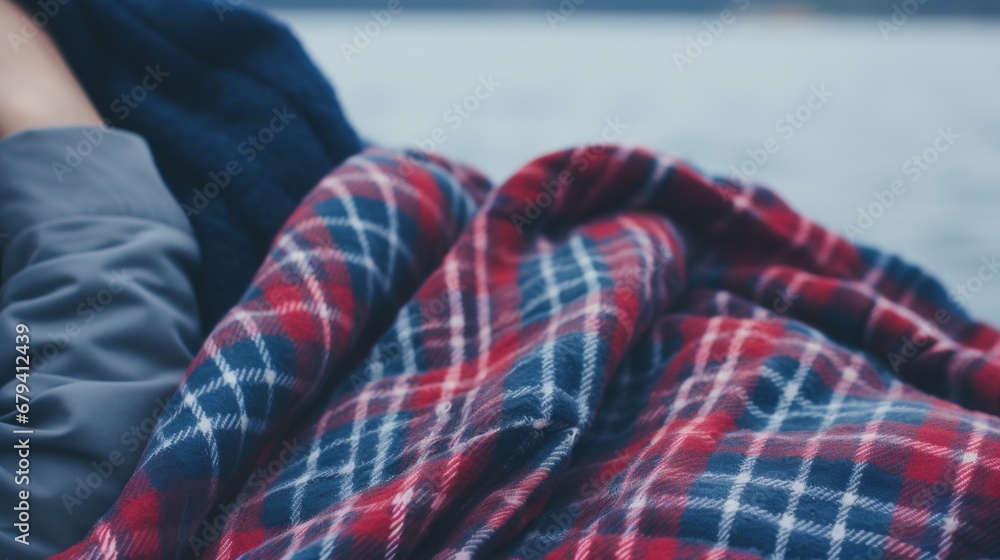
613,357
240,121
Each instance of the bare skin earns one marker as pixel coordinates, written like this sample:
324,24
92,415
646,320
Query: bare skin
37,88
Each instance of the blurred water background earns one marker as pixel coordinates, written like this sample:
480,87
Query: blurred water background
880,96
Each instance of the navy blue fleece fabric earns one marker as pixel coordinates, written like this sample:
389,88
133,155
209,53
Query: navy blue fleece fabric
241,123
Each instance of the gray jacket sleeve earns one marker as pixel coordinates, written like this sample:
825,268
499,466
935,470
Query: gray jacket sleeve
97,261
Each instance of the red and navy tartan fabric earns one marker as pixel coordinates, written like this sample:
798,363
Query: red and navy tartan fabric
609,356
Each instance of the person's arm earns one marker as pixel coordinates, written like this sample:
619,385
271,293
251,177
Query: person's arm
37,88
96,268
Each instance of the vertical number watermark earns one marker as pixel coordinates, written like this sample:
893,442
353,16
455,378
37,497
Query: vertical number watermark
22,404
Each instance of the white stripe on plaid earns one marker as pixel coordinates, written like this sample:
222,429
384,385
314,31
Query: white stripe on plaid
732,505
480,242
346,199
592,340
861,457
962,480
592,312
552,293
456,322
719,379
788,520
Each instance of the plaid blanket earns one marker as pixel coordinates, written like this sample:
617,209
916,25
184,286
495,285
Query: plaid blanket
608,356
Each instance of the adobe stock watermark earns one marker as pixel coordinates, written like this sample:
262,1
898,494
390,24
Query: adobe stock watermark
914,169
960,294
580,161
566,9
126,102
121,108
32,24
555,523
211,528
963,293
900,16
380,356
633,278
454,117
364,35
250,149
781,304
223,7
924,500
632,281
714,28
86,311
787,127
910,346
287,290
132,441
